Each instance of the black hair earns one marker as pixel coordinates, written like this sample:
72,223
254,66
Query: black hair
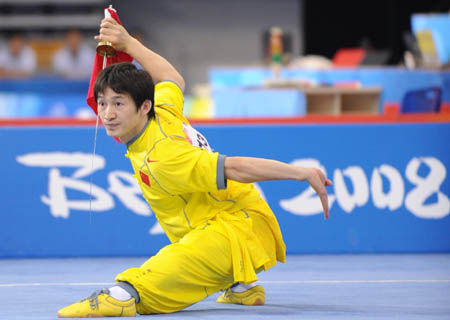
124,77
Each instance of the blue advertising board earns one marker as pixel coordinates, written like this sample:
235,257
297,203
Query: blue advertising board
390,193
44,97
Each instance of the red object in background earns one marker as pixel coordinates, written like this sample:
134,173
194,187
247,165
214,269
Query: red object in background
120,56
445,108
391,109
389,116
349,57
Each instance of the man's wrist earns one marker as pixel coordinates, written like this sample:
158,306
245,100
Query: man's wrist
303,173
132,46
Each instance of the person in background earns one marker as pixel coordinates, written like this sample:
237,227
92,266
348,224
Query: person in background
17,59
74,59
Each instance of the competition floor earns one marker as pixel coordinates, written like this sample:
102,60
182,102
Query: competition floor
306,287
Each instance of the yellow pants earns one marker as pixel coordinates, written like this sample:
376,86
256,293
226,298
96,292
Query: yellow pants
231,247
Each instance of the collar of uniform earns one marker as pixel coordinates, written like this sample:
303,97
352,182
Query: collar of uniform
129,143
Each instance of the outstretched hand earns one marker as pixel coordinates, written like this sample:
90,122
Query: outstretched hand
319,182
112,31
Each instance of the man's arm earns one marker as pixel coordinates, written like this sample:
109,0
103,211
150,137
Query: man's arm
244,169
159,68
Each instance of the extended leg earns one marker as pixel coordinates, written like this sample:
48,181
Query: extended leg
179,275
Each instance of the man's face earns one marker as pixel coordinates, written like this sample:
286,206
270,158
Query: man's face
120,116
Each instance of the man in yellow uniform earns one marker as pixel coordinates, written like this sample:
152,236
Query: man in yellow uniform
222,232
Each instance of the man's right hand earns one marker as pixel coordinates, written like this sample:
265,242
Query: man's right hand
158,67
112,31
319,182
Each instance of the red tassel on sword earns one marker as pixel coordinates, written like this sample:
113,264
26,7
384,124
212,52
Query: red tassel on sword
105,56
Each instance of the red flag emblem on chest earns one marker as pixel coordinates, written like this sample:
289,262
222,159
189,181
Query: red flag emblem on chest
144,178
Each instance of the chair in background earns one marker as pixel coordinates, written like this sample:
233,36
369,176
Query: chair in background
348,57
44,50
425,100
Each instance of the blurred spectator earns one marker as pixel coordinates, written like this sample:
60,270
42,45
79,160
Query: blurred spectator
75,59
17,59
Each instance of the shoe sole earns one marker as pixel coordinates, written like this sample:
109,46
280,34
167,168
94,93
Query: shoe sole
258,301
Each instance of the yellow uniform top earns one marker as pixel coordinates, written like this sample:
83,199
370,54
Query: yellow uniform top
181,178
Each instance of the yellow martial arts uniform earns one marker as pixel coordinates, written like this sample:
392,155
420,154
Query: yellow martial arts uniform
221,231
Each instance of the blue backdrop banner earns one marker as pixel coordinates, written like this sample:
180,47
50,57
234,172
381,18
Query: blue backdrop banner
390,193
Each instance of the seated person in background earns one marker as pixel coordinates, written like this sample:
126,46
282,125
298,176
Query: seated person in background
17,59
75,58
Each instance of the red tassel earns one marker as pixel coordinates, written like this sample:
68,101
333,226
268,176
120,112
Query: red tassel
120,56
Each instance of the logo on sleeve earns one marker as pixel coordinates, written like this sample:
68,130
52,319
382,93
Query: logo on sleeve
150,161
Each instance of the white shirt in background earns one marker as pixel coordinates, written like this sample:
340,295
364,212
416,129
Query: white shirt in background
24,62
65,63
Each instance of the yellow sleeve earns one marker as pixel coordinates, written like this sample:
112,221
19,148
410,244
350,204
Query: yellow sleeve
168,95
187,169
